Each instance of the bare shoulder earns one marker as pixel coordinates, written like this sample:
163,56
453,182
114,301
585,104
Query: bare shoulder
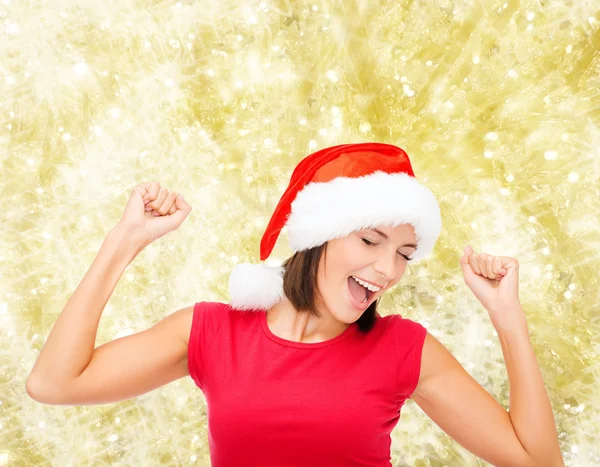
182,321
435,359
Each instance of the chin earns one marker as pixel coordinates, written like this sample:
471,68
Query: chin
350,319
350,316
344,315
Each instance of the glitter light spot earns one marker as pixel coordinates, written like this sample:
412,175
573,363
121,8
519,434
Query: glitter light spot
12,29
81,68
365,127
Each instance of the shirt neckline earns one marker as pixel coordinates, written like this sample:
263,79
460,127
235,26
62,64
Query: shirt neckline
303,345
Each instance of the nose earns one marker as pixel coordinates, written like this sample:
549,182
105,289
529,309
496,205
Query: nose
386,266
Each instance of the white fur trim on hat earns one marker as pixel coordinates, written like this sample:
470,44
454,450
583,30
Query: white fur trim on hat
323,211
255,286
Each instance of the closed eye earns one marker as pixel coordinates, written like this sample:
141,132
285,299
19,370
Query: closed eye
369,243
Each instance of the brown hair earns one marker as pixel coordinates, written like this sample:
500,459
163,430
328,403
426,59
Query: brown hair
301,289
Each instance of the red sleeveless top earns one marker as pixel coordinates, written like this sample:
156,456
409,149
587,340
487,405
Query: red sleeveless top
274,402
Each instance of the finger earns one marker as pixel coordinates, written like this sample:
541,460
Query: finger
167,203
174,207
474,264
151,194
152,190
464,259
487,266
481,264
509,262
497,266
183,210
160,198
140,189
490,266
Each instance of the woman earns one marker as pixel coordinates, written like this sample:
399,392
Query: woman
299,368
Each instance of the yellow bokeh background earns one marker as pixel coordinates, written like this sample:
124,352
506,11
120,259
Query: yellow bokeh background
497,104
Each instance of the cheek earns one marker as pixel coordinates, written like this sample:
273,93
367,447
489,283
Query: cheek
400,272
332,284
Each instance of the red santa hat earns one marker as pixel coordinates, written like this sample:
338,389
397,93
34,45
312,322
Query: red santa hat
332,193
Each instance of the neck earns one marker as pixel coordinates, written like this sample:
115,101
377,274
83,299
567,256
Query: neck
290,324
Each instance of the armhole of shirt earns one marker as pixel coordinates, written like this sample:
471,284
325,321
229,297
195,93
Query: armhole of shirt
413,334
420,334
195,357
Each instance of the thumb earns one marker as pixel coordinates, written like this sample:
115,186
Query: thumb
182,204
183,209
464,260
467,270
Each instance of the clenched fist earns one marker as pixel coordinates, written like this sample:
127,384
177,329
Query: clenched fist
152,211
494,280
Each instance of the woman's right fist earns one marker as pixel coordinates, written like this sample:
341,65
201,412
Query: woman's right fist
152,211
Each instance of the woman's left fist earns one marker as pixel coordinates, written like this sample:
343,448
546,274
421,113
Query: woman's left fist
494,280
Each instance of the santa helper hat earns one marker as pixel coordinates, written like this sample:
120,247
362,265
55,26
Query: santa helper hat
332,193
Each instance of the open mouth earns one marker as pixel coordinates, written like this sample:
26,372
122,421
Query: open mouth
361,294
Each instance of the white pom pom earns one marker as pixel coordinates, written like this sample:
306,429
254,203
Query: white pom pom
255,286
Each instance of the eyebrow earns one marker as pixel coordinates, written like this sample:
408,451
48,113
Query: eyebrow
387,238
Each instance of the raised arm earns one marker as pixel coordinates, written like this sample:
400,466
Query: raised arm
68,358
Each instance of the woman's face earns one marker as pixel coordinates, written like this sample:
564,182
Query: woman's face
366,255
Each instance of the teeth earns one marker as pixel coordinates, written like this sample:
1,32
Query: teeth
372,288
